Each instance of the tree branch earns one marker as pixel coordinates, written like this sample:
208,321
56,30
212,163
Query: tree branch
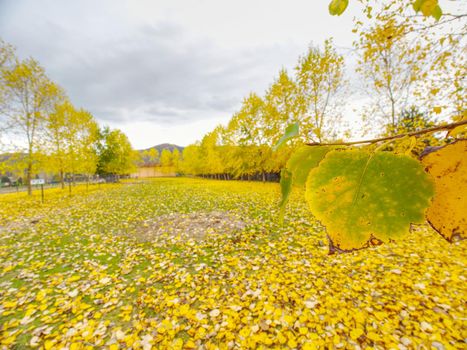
413,133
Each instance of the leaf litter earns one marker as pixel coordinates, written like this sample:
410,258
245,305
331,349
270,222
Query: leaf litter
72,282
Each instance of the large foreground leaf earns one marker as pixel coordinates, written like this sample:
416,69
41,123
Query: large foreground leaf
359,196
297,169
286,189
303,160
448,212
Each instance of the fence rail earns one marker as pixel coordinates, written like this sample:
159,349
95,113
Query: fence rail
24,188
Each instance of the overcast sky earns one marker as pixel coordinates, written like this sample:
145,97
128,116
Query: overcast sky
167,71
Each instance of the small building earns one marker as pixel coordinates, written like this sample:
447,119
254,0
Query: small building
154,171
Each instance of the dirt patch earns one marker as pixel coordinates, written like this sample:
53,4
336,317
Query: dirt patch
19,225
196,225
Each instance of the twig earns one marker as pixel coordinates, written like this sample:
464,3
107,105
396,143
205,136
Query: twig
413,133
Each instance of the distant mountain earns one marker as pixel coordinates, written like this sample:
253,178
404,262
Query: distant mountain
163,146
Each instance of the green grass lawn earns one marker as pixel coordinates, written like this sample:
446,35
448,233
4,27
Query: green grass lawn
108,268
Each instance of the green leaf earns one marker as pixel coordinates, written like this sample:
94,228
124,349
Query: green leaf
337,7
437,12
360,195
303,160
290,132
296,171
417,5
428,8
286,188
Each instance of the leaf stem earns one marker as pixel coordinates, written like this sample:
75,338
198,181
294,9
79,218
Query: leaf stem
413,133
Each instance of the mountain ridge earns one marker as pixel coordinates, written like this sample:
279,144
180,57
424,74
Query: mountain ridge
162,146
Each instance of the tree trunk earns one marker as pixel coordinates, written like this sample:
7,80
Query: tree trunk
264,176
62,180
28,178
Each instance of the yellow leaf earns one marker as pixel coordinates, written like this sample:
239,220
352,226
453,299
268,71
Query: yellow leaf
460,130
41,295
373,336
448,166
74,278
428,6
309,346
48,344
281,338
292,343
356,333
177,344
8,341
190,344
75,346
359,317
9,304
437,109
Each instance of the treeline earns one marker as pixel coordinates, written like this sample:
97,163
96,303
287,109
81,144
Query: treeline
43,132
164,159
243,148
410,73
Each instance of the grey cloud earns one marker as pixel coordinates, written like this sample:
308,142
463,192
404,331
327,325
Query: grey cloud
152,73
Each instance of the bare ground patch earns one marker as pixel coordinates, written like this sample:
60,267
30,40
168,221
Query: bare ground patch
197,225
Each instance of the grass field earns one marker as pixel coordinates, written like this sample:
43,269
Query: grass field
187,264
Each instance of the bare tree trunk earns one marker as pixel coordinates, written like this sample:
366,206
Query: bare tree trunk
62,180
28,178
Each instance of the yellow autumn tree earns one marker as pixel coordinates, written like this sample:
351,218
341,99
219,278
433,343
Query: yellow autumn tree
320,79
7,59
410,60
191,160
28,96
